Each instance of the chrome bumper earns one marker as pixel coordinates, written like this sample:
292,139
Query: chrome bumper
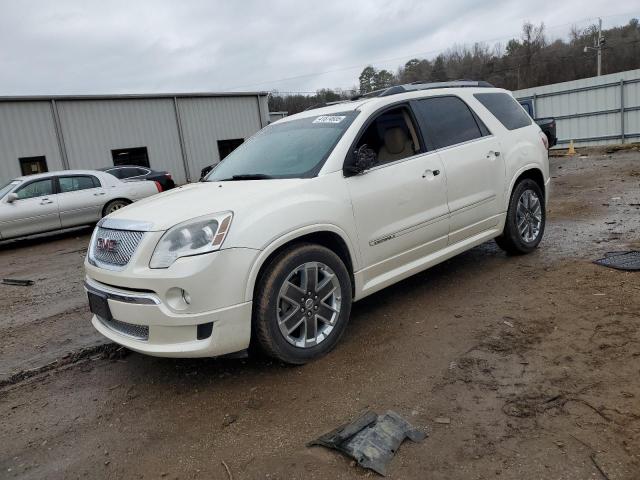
126,296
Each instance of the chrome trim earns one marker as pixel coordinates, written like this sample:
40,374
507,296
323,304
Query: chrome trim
114,267
474,204
122,224
467,142
126,296
130,330
406,230
401,160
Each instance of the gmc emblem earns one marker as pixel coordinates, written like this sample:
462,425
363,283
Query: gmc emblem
107,244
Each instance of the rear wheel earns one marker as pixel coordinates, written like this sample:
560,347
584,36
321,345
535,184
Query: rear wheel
302,304
114,206
526,217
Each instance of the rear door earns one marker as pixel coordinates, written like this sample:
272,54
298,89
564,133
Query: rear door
35,210
473,163
81,199
399,205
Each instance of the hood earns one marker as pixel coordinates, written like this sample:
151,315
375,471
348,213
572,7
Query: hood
164,210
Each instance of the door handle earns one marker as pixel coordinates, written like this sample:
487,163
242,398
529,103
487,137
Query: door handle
435,173
98,194
45,201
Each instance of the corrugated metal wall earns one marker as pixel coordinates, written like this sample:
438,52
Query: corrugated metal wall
592,111
27,129
207,120
91,127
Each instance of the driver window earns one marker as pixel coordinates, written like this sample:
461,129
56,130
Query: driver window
392,136
38,188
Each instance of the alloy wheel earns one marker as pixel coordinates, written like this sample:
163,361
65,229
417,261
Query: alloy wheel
309,304
529,216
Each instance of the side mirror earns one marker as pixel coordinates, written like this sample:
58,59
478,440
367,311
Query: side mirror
12,197
363,159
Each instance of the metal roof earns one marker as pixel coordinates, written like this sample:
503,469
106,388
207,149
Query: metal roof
129,96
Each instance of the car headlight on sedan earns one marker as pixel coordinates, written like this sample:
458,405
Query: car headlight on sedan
193,237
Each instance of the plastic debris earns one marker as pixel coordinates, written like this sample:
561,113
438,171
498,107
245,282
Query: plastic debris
621,260
17,281
371,439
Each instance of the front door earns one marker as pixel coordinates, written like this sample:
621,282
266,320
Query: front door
35,210
472,160
399,205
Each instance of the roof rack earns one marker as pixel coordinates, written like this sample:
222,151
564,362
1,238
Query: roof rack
415,86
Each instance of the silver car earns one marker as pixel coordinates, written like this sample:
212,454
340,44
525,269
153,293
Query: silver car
69,198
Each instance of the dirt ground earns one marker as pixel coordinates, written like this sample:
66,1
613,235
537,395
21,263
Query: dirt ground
534,360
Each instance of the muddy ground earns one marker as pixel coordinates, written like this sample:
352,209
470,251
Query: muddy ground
534,360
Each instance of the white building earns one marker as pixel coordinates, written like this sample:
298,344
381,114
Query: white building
179,133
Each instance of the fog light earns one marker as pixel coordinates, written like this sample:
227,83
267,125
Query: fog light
178,299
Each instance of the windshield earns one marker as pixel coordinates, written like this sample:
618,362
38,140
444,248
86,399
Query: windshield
292,149
7,188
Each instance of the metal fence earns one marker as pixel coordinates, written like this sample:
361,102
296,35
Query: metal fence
591,111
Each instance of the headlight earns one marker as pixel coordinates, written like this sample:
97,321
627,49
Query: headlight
193,237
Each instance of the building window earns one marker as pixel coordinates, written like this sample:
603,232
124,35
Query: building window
131,156
225,147
32,165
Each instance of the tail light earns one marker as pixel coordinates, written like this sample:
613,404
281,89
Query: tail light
158,186
168,175
545,140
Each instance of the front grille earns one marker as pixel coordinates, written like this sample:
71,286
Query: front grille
120,246
138,332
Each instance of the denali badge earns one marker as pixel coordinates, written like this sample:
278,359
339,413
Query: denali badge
107,244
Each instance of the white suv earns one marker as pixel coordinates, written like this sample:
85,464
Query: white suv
316,211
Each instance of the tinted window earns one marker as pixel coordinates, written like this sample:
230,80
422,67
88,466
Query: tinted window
505,108
36,189
391,136
128,172
71,184
446,121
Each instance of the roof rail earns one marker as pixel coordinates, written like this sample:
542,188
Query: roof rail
420,85
415,86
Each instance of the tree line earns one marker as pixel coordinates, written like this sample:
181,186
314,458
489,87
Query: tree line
524,62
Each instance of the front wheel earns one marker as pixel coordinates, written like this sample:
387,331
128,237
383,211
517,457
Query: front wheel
302,304
526,217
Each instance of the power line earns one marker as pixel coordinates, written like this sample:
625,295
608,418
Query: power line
415,55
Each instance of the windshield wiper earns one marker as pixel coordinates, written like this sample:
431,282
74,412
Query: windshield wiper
248,176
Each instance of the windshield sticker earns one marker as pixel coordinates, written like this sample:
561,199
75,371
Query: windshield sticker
329,119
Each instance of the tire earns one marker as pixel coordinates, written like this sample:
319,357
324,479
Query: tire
326,314
526,207
114,205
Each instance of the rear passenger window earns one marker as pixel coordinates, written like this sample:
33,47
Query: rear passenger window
447,121
505,108
72,184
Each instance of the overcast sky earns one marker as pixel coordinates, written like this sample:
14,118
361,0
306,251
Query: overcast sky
135,46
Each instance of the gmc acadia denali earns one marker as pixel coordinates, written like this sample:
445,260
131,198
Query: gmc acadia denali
314,212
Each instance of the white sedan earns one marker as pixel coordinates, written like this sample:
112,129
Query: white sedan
69,198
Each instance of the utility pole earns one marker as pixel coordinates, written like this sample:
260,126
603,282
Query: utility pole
598,46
